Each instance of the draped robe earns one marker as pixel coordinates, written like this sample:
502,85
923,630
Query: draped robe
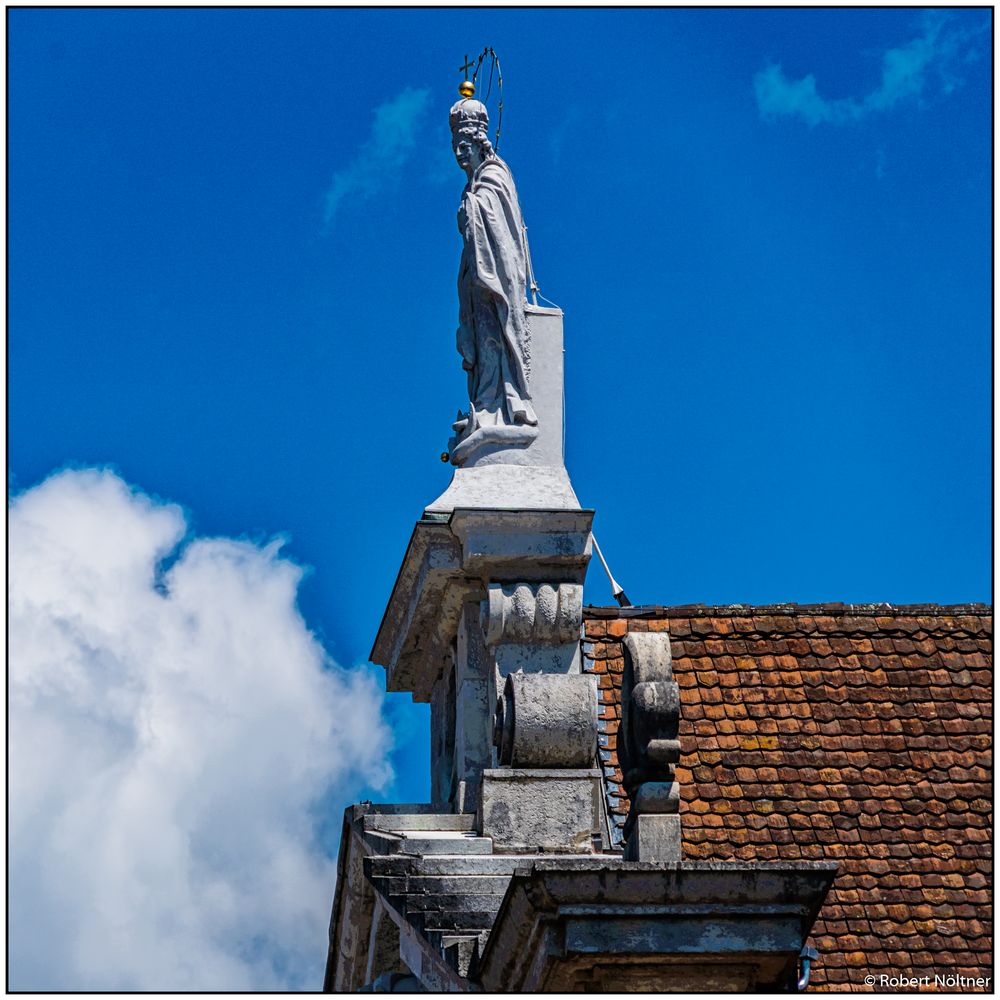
493,335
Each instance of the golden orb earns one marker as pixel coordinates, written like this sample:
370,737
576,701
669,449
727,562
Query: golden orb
466,89
445,457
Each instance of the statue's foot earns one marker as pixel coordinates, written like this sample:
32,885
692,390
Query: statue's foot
461,422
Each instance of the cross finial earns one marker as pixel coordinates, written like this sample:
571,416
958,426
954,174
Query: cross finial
466,88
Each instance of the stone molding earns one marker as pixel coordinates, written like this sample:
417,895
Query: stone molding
600,925
540,613
452,561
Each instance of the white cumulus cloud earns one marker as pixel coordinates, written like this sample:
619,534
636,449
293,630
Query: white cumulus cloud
170,735
909,71
382,156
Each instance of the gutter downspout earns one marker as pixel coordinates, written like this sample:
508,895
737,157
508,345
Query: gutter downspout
806,957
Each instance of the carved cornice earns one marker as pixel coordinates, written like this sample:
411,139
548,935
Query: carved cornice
449,562
537,613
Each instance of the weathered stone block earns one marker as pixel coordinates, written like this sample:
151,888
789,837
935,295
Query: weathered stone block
654,838
524,810
536,659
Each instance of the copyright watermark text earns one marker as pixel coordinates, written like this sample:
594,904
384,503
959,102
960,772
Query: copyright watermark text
887,981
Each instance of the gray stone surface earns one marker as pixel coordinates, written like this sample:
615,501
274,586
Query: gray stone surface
548,721
423,843
507,487
654,838
649,745
383,946
543,546
533,659
451,562
639,976
473,705
480,867
549,810
651,706
403,809
657,797
424,960
351,920
460,952
443,709
405,822
421,619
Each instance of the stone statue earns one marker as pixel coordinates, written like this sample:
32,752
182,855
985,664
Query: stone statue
493,334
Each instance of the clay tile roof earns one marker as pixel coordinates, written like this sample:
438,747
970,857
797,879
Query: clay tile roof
854,733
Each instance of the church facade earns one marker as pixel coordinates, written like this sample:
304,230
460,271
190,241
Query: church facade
643,798
856,736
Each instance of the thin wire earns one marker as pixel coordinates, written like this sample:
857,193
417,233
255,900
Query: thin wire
500,104
489,86
494,64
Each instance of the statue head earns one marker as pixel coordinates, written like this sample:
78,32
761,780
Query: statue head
469,121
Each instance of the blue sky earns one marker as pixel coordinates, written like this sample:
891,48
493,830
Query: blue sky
232,260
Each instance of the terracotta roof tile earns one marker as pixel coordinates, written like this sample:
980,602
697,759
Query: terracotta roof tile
856,733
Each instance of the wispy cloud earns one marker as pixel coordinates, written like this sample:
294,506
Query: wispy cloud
170,734
382,156
909,73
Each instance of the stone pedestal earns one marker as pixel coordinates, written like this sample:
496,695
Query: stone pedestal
483,594
532,810
654,837
532,476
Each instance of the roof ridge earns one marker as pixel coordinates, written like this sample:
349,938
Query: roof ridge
745,610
